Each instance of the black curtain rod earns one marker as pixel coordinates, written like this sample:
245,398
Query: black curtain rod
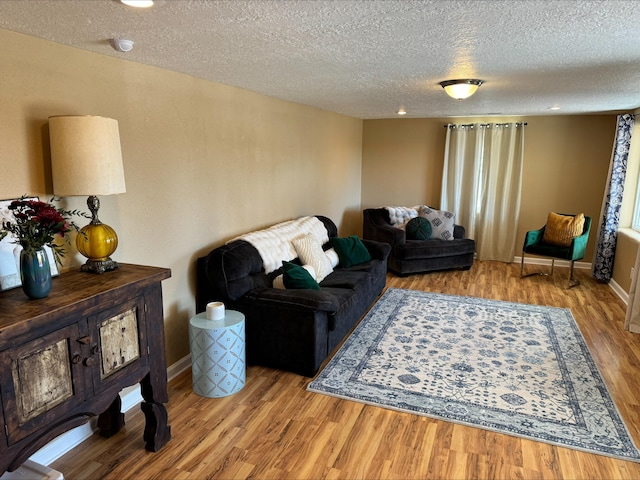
463,125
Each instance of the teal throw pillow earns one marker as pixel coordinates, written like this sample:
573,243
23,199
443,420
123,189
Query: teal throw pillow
418,228
294,276
351,251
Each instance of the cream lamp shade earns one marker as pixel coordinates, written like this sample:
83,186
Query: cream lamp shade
86,159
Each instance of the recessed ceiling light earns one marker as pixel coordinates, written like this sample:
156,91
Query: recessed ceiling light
554,108
402,111
138,3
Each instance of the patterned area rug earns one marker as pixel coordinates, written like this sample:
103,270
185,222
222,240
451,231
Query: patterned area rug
523,370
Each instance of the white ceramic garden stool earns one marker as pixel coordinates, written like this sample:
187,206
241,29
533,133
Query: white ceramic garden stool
218,358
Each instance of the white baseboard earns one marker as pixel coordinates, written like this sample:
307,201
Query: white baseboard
547,261
130,396
617,289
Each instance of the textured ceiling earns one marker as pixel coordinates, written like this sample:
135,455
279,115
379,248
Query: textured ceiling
367,58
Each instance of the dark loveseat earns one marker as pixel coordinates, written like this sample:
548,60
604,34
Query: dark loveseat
292,329
417,256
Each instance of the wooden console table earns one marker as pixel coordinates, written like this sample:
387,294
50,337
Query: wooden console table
65,358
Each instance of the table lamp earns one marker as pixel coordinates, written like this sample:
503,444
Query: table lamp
86,159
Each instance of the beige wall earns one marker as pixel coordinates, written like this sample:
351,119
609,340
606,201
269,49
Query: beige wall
626,251
203,162
566,162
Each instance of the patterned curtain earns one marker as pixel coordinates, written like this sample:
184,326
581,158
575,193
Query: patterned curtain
602,269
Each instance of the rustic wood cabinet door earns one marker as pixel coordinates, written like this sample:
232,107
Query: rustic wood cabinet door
45,382
118,343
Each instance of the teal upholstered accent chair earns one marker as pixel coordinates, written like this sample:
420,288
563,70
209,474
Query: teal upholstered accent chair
534,245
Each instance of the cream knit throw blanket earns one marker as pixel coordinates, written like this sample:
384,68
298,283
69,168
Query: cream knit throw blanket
399,216
274,243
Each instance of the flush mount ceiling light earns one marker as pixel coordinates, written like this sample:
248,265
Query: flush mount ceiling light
462,88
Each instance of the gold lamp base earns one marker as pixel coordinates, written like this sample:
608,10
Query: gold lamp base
99,266
97,241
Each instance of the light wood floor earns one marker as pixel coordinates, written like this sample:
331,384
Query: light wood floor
275,429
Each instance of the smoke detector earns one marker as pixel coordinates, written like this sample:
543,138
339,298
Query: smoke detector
121,44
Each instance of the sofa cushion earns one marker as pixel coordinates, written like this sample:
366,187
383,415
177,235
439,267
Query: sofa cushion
432,248
351,279
442,222
350,250
418,228
295,276
560,230
310,252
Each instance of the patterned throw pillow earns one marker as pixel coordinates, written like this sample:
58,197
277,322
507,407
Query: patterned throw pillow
418,228
562,229
310,252
442,222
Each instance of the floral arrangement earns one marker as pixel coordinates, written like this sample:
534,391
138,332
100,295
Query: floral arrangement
36,224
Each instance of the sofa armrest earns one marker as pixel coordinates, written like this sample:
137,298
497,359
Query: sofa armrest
390,235
459,231
374,227
377,250
303,299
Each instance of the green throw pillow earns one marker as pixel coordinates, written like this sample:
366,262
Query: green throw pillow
351,251
418,228
294,276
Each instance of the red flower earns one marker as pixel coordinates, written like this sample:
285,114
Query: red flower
37,223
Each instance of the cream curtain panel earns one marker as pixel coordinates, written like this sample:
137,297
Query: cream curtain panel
481,184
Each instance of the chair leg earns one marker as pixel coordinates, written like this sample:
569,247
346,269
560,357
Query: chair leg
523,275
573,281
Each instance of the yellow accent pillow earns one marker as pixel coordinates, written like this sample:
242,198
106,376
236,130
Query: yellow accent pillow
562,229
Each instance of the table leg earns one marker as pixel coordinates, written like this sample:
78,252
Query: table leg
112,419
157,431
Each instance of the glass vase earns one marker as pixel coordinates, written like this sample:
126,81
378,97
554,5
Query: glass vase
35,273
